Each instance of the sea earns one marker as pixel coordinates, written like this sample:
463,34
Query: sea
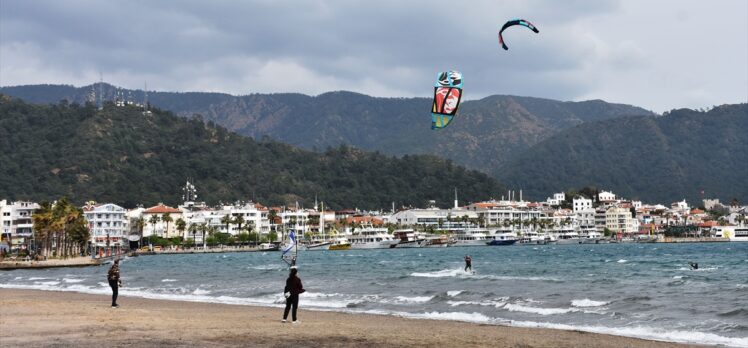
638,290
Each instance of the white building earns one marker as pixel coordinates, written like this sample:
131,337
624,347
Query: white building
165,229
606,197
505,213
619,220
15,221
580,203
423,217
107,223
558,199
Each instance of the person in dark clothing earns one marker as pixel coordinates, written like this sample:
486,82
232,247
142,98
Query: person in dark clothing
114,281
292,291
468,263
694,265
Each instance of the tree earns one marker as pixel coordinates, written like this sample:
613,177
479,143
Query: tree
166,217
226,219
181,226
140,224
153,220
238,221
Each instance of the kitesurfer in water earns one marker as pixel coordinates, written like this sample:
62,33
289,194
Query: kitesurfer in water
694,266
468,263
291,292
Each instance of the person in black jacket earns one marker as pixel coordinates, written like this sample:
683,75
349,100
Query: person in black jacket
292,291
114,281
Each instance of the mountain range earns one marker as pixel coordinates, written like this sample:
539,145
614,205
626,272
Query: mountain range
486,134
538,145
121,155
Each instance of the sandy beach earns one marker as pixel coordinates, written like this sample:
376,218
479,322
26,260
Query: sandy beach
32,318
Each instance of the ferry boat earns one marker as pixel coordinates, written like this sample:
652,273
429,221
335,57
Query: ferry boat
409,238
371,238
733,233
470,237
502,239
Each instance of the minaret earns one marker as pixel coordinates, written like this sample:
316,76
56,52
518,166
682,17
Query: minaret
456,205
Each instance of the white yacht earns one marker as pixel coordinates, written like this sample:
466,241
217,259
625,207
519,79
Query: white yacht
438,241
534,238
470,237
568,237
591,237
371,238
733,233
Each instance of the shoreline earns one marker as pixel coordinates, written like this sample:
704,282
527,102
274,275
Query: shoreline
73,319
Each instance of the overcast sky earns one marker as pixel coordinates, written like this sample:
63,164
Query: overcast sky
660,55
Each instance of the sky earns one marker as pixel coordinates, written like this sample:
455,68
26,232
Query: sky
657,54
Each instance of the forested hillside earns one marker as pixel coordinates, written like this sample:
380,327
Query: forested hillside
120,155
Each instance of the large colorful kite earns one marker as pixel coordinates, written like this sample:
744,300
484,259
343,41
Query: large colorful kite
447,95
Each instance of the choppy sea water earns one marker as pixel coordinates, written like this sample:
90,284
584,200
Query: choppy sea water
637,290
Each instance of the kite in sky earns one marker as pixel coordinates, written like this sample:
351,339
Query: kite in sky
513,22
447,95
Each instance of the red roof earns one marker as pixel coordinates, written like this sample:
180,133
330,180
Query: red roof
697,211
161,209
709,224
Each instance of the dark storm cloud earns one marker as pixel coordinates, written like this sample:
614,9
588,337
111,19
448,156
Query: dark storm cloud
383,48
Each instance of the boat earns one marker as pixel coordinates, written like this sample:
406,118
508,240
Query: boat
740,234
268,247
316,245
409,238
438,241
534,238
371,238
470,237
568,237
591,238
340,244
502,239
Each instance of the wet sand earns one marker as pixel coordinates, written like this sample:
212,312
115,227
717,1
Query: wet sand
31,318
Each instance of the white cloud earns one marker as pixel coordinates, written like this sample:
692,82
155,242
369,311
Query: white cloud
659,55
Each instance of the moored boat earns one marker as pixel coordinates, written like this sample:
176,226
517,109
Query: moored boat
502,239
371,238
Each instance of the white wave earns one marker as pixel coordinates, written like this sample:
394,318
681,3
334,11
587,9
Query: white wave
414,299
537,310
587,303
693,337
497,304
38,278
677,277
168,280
52,282
267,267
441,274
460,273
622,261
454,293
17,278
200,292
72,280
458,316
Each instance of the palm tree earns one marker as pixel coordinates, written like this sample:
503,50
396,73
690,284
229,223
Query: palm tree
238,221
271,216
140,223
226,219
42,222
166,217
193,230
181,226
154,220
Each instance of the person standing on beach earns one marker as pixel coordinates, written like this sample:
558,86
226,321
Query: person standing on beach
291,292
114,281
468,263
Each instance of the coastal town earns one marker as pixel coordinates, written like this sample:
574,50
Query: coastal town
192,225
